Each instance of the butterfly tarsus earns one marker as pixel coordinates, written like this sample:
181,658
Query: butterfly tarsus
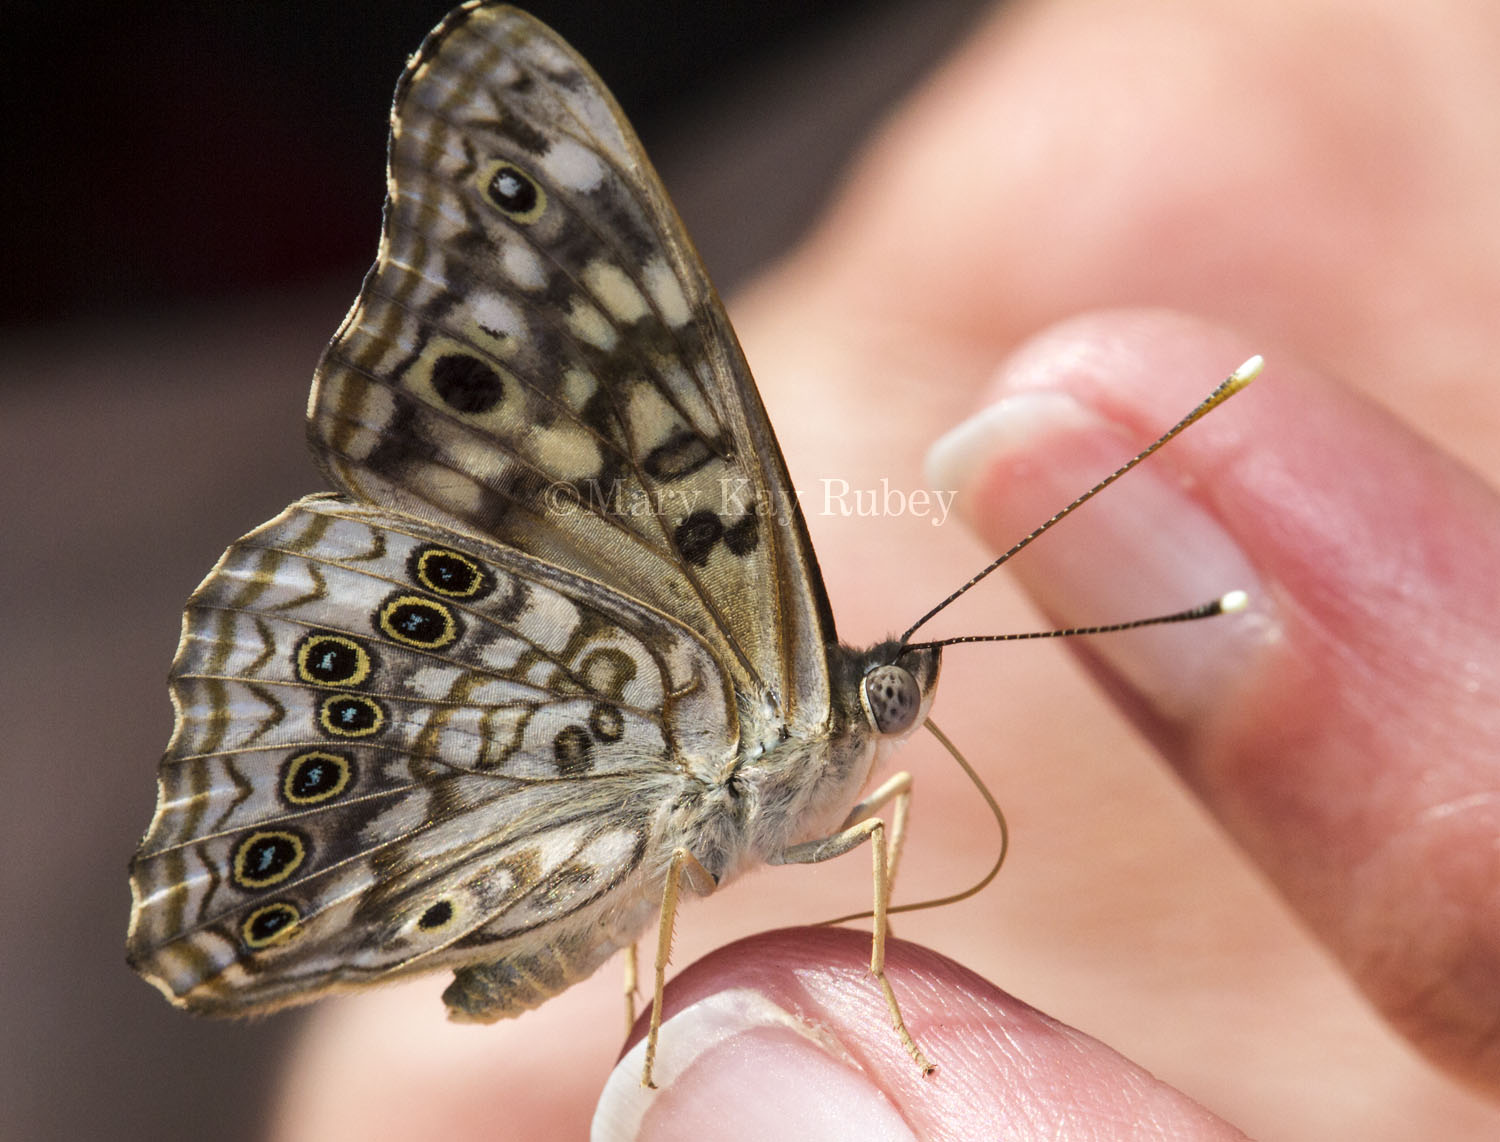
684,864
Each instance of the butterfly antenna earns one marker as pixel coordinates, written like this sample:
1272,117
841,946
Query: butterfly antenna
979,885
1231,384
1225,604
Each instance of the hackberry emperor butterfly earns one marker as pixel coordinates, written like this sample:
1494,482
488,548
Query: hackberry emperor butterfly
558,644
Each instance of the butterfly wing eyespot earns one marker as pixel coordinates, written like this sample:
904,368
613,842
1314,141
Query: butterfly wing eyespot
269,925
422,623
515,193
436,915
351,716
449,573
312,777
268,857
333,660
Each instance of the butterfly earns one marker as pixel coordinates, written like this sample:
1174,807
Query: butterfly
557,647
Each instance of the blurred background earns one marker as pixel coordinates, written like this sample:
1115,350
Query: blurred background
191,196
163,153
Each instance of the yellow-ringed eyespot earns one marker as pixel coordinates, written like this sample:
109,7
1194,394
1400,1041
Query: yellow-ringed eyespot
450,573
270,924
351,716
314,776
267,857
332,660
423,623
515,192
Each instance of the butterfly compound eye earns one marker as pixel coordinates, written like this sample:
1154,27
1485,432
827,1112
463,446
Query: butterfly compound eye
893,698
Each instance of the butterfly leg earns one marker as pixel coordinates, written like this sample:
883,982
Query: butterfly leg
701,881
899,789
873,829
632,986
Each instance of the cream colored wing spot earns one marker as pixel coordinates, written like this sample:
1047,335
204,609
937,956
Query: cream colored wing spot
572,165
578,386
591,326
523,266
567,452
434,683
499,317
614,289
666,292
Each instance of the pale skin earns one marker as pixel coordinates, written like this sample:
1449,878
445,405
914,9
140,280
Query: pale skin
1319,188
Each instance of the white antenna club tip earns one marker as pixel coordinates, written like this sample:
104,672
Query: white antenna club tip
1235,600
1247,372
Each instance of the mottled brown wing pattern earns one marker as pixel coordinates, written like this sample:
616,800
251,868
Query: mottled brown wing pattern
401,748
538,356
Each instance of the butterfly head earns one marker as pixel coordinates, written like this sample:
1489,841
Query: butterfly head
897,687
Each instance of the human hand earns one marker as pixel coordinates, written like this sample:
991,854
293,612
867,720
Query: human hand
1313,184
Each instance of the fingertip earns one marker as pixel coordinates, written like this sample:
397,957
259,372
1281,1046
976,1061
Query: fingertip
787,1033
739,1048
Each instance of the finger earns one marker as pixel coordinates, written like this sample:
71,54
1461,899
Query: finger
1344,732
786,1034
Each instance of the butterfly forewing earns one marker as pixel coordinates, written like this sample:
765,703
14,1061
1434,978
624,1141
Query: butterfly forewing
539,355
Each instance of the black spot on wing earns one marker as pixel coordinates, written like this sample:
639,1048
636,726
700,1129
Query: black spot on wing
743,536
696,536
571,751
467,384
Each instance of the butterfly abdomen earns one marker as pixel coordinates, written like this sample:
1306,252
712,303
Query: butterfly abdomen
538,969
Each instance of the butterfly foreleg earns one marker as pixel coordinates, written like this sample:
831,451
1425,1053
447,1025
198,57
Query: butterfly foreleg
882,848
684,865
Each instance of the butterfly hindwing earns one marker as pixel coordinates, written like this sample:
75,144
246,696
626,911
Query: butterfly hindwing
398,747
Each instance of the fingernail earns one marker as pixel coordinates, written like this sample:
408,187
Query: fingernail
1143,547
735,1065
